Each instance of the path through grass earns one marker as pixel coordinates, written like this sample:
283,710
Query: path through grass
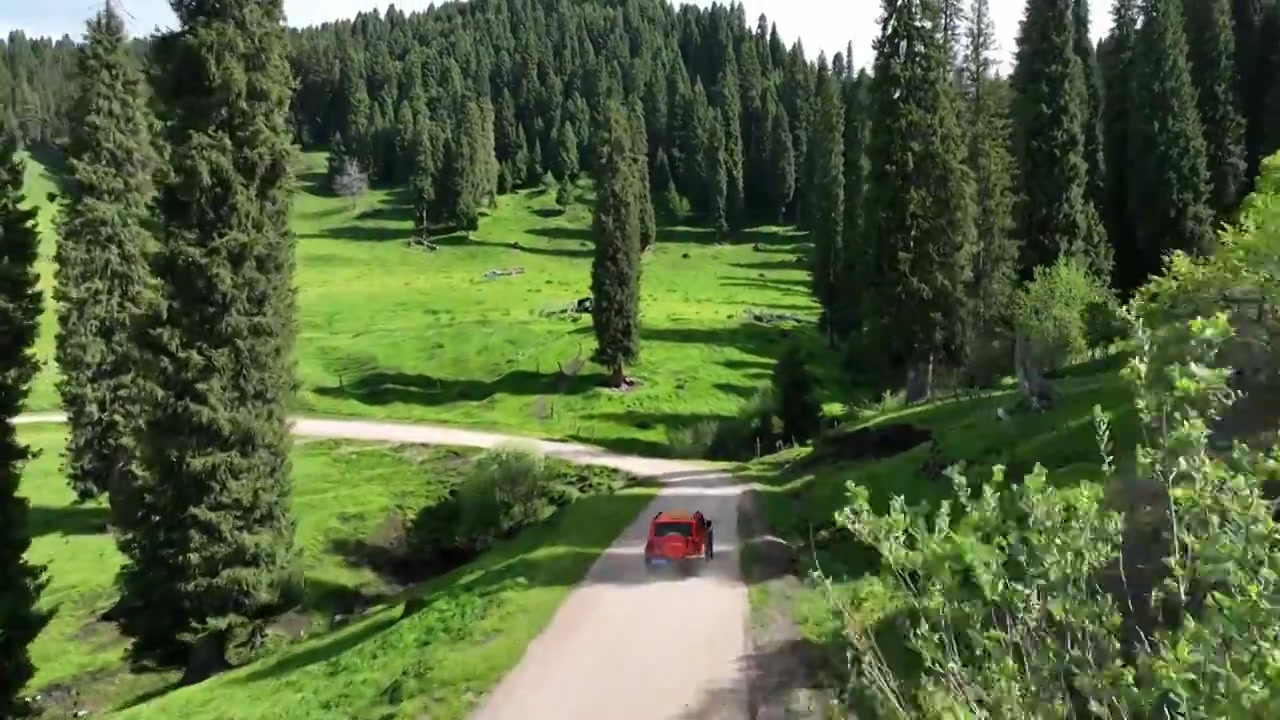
344,493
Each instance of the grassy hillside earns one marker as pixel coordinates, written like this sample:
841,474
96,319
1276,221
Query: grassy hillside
893,450
347,495
395,332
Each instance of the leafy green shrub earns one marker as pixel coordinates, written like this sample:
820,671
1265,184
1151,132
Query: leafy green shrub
505,490
1006,598
1052,311
754,431
692,441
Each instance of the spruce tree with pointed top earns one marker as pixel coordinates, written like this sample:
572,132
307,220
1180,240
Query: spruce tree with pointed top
217,549
21,581
1212,55
1171,197
1115,57
782,163
1091,114
103,287
640,155
826,200
616,224
849,315
1055,215
995,253
716,182
919,215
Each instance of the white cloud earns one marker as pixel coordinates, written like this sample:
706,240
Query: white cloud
826,25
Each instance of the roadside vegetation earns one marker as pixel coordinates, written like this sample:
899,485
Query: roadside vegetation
660,230
370,523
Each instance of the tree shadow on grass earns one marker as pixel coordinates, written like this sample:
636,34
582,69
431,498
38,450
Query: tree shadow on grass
315,183
762,341
626,445
771,266
556,232
67,520
784,285
562,252
329,647
382,388
388,212
366,233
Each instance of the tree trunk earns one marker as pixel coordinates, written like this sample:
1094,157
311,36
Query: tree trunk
118,501
208,658
920,381
1038,391
616,378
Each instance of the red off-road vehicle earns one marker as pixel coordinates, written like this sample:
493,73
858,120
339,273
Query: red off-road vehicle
677,536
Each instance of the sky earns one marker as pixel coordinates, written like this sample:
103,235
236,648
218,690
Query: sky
823,25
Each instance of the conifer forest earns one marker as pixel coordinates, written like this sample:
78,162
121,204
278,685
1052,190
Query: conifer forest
956,225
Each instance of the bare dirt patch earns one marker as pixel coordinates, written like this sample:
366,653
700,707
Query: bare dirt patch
788,676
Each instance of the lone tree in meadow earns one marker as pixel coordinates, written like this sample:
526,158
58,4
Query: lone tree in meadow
615,272
217,549
20,299
104,288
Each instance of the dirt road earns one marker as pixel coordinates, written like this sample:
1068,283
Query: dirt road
623,646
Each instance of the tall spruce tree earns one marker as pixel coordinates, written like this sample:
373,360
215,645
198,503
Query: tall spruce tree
1213,71
21,582
1171,198
856,247
919,215
826,201
615,272
1091,115
644,198
216,544
995,253
716,166
103,286
781,164
1055,215
1119,119
1255,49
729,104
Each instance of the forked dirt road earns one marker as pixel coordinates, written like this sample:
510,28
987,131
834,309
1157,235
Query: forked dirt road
623,645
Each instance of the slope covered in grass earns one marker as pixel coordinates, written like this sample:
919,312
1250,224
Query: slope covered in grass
391,331
894,450
347,495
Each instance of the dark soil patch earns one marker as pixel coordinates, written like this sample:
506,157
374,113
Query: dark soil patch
866,443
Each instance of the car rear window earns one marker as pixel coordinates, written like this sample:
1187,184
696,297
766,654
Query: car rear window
683,529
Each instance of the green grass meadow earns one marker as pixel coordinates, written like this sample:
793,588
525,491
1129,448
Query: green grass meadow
473,629
390,331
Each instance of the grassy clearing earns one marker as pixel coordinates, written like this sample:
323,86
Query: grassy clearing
344,494
798,501
389,331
